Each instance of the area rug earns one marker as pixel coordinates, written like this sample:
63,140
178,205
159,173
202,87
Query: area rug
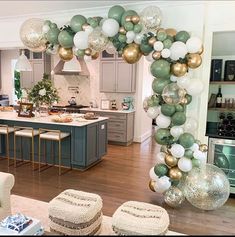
39,210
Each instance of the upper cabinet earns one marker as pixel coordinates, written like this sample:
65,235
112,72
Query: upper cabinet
116,75
41,63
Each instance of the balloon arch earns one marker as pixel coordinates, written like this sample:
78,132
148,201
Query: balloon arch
172,55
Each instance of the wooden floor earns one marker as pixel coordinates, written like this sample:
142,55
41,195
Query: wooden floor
122,176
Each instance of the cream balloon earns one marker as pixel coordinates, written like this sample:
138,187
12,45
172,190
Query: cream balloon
199,155
89,29
153,112
176,131
110,27
195,87
173,78
166,53
45,28
110,48
194,147
162,184
80,40
183,81
185,164
178,50
138,38
130,35
190,125
163,121
158,46
177,150
153,175
160,158
193,44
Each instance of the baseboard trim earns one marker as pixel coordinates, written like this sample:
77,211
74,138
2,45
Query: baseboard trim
143,137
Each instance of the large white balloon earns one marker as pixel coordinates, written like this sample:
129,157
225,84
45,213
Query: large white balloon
162,184
153,175
160,158
163,121
190,125
153,112
130,35
177,150
158,46
185,164
195,87
193,44
178,50
176,131
110,27
183,81
80,40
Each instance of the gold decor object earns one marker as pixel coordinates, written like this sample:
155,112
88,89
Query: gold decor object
170,31
179,69
161,30
131,53
65,54
151,185
84,26
122,30
171,160
95,55
128,18
175,173
194,60
203,147
135,19
174,197
184,101
88,52
152,40
156,55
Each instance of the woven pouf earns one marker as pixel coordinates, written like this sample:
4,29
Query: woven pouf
139,218
74,212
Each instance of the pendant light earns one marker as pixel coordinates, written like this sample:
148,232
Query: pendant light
23,63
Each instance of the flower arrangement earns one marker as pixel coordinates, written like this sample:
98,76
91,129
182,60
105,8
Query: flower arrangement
43,92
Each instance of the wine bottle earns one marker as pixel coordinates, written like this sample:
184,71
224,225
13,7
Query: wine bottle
219,98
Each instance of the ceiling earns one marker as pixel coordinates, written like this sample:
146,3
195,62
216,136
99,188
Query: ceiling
13,8
223,43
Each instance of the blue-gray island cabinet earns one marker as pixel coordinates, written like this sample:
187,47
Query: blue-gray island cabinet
84,147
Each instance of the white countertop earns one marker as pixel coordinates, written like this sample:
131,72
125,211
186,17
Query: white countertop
108,110
77,120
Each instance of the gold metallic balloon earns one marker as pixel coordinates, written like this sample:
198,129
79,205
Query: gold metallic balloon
203,147
175,173
184,101
131,53
151,185
152,40
65,54
122,30
171,160
84,26
135,19
201,50
161,30
128,18
172,32
156,55
88,52
95,55
179,69
194,60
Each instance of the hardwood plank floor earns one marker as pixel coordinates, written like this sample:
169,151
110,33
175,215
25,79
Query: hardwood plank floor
122,175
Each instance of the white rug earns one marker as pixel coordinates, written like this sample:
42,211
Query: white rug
39,210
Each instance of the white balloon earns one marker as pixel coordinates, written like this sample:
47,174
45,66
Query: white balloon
176,131
199,155
178,50
166,53
80,40
102,21
190,125
177,150
158,46
130,35
160,158
128,41
173,78
193,44
195,87
89,29
153,112
149,58
153,175
185,164
194,147
138,38
110,27
45,28
183,81
162,184
110,48
163,121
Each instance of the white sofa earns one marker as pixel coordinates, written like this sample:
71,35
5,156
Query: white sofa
6,183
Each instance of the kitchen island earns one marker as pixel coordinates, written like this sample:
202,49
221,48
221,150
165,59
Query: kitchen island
84,147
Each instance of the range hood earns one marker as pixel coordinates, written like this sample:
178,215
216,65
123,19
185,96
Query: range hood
75,66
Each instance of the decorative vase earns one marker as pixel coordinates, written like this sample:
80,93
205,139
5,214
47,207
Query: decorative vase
43,109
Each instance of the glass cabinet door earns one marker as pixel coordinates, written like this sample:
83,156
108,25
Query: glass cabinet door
105,55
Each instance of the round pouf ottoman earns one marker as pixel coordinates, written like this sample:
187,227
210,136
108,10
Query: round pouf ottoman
74,212
139,218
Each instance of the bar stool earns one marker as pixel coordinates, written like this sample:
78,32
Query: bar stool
6,130
52,135
25,132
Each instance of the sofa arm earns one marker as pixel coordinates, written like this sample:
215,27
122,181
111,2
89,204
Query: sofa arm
7,181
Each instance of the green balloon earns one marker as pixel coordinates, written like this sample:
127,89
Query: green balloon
222,162
162,136
188,153
52,35
93,22
160,68
186,140
47,22
127,13
196,162
178,118
171,38
167,43
65,39
128,26
80,52
122,38
116,13
159,84
160,170
179,108
182,36
153,101
146,48
168,110
53,25
137,28
76,22
161,35
189,98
